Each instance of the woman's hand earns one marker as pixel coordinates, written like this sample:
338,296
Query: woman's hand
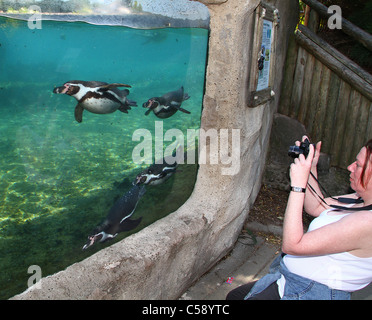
316,155
317,151
300,168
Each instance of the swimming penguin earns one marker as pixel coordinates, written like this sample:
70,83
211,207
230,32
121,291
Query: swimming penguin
167,105
118,219
155,174
97,97
159,173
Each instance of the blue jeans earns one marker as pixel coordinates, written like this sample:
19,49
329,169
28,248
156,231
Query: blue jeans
296,287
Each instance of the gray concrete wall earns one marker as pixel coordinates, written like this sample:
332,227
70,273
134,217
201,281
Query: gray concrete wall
164,259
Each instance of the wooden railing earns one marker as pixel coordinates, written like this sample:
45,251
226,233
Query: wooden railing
327,92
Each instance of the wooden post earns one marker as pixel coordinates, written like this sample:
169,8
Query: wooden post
333,63
338,55
288,81
307,15
329,123
351,29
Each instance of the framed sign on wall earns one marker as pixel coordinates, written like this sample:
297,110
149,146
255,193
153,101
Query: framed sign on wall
263,55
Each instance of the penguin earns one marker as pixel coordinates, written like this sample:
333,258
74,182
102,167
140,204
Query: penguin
97,97
155,174
167,105
158,173
118,219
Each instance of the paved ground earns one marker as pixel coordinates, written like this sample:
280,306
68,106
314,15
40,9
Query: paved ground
249,260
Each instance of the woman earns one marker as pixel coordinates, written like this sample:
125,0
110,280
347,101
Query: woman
334,257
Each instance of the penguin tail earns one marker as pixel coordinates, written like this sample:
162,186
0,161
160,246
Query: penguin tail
127,105
132,103
124,108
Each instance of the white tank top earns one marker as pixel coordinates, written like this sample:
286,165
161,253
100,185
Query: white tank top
342,271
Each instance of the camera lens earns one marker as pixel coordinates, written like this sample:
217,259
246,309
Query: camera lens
294,151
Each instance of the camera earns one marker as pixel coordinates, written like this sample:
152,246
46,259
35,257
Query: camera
304,148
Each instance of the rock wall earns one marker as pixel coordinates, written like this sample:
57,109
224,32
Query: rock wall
164,259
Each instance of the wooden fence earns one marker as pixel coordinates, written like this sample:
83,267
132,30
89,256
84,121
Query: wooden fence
329,94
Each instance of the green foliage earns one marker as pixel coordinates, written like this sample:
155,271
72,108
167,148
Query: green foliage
302,12
137,7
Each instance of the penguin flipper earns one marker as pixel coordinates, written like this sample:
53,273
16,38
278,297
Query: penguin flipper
148,112
129,224
127,105
186,97
183,110
124,108
79,113
132,103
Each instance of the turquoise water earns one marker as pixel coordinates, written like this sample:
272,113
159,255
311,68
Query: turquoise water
59,178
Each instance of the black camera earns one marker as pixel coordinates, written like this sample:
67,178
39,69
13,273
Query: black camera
304,148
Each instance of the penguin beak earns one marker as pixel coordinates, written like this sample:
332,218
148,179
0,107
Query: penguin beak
92,240
89,243
66,89
148,104
140,179
58,90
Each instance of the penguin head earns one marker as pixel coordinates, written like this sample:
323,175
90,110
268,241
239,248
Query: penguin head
151,103
154,174
93,239
144,177
98,237
68,88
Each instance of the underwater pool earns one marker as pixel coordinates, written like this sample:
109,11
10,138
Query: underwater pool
59,178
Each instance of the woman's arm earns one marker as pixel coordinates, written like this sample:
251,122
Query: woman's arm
293,226
351,233
313,205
